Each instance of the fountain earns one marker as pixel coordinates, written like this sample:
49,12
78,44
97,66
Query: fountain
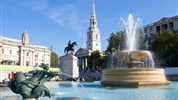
132,67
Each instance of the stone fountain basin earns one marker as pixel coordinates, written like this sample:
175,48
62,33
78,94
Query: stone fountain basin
134,77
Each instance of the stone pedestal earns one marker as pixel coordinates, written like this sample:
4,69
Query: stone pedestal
69,66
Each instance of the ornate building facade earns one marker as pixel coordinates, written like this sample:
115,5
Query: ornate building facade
93,42
162,25
22,53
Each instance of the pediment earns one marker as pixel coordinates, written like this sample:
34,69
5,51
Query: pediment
163,19
82,52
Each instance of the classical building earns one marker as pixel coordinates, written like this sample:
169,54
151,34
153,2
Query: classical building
22,53
93,42
163,24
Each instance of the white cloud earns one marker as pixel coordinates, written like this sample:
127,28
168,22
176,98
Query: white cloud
39,5
62,13
68,17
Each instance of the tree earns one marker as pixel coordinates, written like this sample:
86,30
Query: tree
141,44
54,59
114,42
165,45
95,60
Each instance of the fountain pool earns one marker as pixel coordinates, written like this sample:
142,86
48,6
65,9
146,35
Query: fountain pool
94,91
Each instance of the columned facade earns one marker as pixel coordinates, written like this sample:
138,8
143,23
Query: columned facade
162,25
20,52
83,55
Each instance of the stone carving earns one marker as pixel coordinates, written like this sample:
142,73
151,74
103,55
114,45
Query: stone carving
70,47
31,84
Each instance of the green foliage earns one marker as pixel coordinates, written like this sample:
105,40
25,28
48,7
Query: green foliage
54,59
95,60
165,45
141,44
114,42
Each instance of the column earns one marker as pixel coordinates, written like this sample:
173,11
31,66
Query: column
82,63
24,58
86,62
21,56
32,59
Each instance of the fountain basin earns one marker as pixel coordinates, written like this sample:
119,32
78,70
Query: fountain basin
134,77
130,59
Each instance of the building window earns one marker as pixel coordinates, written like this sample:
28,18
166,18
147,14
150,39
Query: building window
10,52
96,44
27,53
2,51
89,36
151,28
89,44
27,63
145,30
42,59
164,27
171,26
94,23
158,29
96,36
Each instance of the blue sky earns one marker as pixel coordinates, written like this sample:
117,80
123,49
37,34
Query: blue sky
55,22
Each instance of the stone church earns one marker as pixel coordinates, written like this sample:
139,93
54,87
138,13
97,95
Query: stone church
93,42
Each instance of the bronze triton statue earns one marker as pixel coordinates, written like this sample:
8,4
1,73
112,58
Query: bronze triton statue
70,47
32,87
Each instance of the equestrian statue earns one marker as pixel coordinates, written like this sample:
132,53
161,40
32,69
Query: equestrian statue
70,47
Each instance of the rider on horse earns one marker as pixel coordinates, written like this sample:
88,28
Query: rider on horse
69,44
70,47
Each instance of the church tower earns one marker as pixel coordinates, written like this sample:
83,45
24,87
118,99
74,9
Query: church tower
93,34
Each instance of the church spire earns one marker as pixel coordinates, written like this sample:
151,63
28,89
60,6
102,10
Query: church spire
93,16
93,34
93,21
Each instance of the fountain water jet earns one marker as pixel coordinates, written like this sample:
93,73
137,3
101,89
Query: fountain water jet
132,67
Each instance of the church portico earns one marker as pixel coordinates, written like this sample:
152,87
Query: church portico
83,55
83,63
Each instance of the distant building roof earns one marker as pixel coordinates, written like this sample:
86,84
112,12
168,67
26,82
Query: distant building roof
83,52
161,20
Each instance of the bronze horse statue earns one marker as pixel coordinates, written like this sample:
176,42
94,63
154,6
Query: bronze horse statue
70,47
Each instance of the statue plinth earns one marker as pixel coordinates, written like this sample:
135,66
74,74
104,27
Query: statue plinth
69,66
